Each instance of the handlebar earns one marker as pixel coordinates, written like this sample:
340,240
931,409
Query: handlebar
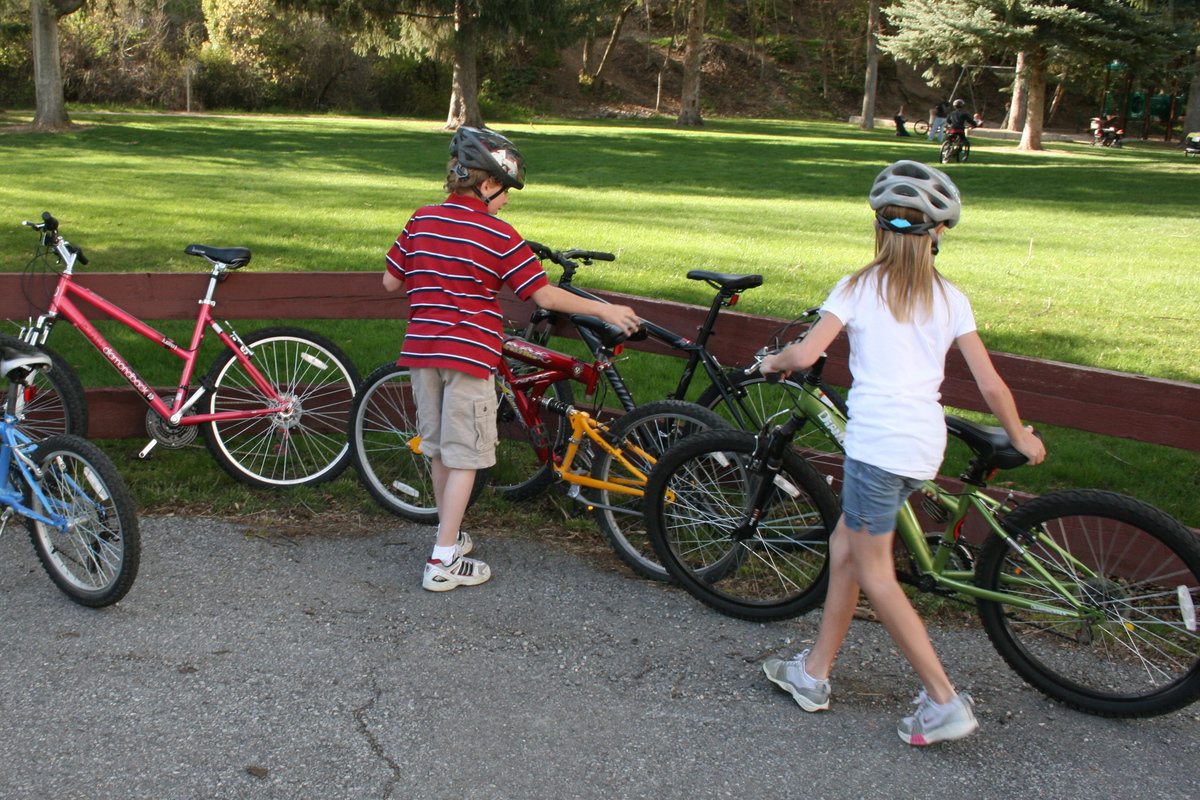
567,258
48,227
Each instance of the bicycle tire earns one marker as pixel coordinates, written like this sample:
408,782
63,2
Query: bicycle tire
653,428
302,448
519,473
765,400
701,488
95,561
947,151
1139,655
383,434
920,127
52,401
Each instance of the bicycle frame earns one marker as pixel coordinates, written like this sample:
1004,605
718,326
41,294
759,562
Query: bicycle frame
63,304
697,353
13,447
932,563
526,391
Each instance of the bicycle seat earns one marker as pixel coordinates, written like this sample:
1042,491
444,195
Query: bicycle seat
609,335
989,443
18,359
232,257
727,281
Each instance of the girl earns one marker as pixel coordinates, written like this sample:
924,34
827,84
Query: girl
901,317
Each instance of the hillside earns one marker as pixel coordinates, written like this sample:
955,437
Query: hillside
794,74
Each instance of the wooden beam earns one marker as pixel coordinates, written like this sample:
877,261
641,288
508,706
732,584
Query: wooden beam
1084,398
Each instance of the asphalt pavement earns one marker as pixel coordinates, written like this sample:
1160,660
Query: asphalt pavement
250,665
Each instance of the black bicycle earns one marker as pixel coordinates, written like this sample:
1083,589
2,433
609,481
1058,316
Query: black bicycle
957,147
741,396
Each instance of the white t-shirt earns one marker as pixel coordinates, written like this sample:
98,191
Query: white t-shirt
896,421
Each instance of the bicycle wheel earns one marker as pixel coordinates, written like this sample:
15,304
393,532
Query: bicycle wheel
95,559
385,447
964,151
921,127
51,402
302,446
763,400
947,151
697,498
519,473
1117,635
642,435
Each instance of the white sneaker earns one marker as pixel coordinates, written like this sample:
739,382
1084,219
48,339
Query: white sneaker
939,723
811,694
463,571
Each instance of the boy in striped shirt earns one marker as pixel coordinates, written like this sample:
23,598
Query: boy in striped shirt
452,260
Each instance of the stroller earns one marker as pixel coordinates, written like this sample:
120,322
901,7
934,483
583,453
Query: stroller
1191,144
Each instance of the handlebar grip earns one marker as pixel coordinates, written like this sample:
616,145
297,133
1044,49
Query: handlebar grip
540,250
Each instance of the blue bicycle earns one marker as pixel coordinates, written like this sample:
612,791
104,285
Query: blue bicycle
78,510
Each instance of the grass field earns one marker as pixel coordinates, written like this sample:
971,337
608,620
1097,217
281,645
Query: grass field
1074,254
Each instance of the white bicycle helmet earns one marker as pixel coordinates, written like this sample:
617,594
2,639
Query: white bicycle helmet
490,152
910,184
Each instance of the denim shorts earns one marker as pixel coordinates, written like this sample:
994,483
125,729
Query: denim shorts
871,497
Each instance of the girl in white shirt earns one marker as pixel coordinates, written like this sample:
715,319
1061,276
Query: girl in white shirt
901,316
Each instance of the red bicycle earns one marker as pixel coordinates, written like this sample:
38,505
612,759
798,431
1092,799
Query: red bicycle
274,406
543,439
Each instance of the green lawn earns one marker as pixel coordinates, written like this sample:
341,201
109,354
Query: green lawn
1075,254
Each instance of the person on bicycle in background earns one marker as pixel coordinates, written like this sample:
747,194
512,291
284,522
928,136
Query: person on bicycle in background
901,317
452,260
959,120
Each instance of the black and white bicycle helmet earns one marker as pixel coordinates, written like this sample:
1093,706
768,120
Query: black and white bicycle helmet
959,103
909,184
489,151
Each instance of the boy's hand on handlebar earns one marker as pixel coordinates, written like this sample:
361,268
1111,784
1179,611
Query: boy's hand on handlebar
622,317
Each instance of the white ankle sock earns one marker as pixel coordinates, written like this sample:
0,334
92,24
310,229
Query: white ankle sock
444,554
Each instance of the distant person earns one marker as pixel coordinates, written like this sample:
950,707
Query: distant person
959,120
978,120
901,317
452,260
900,120
938,131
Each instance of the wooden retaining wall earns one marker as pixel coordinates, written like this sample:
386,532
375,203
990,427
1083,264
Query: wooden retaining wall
1083,398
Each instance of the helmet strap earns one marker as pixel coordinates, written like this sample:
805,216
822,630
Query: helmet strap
903,226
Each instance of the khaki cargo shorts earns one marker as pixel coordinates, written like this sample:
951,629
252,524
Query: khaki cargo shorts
456,417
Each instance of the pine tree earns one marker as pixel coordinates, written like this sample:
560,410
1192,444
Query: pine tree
961,32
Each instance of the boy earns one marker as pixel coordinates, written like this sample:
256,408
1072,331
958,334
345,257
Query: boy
453,259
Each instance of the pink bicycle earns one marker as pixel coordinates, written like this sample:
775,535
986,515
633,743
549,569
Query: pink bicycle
274,406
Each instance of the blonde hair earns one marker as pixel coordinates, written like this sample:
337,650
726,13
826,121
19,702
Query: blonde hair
903,268
459,185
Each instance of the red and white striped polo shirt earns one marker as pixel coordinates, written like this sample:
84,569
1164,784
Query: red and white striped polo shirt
454,259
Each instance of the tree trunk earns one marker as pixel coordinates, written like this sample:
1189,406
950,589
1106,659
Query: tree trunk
51,113
464,92
597,76
689,100
871,82
1035,100
1016,108
1191,122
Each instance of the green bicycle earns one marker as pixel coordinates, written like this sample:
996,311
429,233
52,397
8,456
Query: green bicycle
1089,595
